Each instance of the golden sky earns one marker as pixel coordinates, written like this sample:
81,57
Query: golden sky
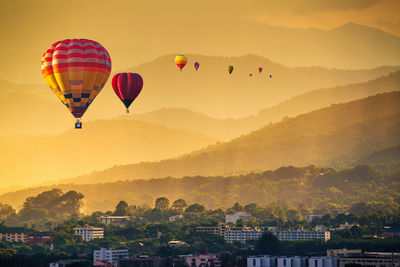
138,31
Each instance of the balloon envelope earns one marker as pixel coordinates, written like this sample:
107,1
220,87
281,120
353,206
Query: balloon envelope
260,70
230,69
127,86
180,61
196,65
76,71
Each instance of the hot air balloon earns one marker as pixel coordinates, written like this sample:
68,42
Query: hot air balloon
76,70
230,69
259,70
196,65
270,76
127,87
251,74
180,61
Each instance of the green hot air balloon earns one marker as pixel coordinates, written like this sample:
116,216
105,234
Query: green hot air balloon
230,69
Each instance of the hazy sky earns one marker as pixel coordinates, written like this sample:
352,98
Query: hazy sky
138,31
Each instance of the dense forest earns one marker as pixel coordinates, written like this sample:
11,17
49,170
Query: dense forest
318,189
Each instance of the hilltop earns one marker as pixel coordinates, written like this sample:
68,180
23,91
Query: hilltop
100,144
339,135
229,128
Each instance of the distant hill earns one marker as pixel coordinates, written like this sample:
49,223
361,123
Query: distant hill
212,91
101,144
339,135
230,128
386,160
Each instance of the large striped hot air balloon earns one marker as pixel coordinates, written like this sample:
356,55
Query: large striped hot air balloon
76,70
180,61
127,86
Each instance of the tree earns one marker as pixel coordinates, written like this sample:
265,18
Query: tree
162,203
195,208
268,244
6,211
122,209
179,205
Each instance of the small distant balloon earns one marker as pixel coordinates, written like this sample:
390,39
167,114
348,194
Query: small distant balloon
251,74
196,65
180,61
230,69
259,70
270,76
127,86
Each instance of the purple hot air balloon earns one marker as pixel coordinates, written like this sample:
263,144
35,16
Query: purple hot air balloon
196,65
127,86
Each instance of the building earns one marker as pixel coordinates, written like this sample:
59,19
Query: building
203,260
391,232
114,220
176,243
47,227
322,262
268,261
302,235
65,263
175,218
242,235
103,264
13,234
89,232
343,252
39,237
311,217
109,255
291,262
261,261
217,230
142,261
233,218
371,259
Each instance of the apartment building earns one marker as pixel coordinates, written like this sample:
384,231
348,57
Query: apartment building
110,255
89,233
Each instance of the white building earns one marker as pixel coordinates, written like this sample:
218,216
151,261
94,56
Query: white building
322,262
261,261
311,217
203,260
175,218
110,255
114,220
302,235
233,218
89,232
291,262
242,235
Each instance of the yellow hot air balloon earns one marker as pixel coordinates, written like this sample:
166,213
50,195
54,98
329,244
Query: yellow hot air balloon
181,61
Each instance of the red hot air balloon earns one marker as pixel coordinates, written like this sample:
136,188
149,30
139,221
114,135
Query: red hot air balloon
251,74
259,70
127,87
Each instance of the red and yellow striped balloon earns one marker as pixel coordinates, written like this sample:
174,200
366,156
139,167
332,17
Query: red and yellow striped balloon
76,70
180,61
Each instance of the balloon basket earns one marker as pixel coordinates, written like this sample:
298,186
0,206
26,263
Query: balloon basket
127,111
78,124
